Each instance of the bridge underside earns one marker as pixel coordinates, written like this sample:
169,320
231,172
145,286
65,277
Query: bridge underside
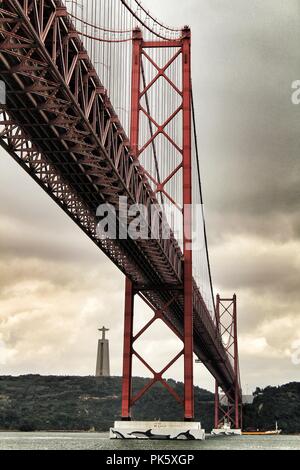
59,125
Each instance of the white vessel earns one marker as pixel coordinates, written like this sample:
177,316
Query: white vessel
226,430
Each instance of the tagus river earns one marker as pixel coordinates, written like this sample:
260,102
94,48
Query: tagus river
100,441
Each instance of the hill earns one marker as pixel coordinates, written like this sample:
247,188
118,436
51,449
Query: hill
275,404
34,402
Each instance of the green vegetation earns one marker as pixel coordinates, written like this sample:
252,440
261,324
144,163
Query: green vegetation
34,402
275,404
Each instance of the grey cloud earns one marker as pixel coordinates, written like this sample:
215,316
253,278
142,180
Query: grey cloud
258,267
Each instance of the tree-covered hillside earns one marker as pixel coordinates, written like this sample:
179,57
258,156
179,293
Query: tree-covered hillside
35,402
281,404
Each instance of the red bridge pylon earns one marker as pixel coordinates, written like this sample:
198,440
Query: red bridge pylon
182,52
228,403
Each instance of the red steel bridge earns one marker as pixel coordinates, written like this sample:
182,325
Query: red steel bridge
99,105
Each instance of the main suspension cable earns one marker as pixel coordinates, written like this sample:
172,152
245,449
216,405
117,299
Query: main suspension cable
135,15
155,19
95,38
100,28
201,200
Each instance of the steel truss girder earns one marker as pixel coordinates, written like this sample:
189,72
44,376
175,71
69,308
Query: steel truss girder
99,135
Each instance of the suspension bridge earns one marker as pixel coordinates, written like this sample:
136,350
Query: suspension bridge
99,106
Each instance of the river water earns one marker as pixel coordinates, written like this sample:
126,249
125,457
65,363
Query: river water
100,441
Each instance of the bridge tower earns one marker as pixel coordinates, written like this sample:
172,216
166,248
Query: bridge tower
228,403
181,51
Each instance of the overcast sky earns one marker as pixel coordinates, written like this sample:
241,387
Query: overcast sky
56,288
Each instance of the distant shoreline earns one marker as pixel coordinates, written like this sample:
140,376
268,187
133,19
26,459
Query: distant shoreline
53,431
